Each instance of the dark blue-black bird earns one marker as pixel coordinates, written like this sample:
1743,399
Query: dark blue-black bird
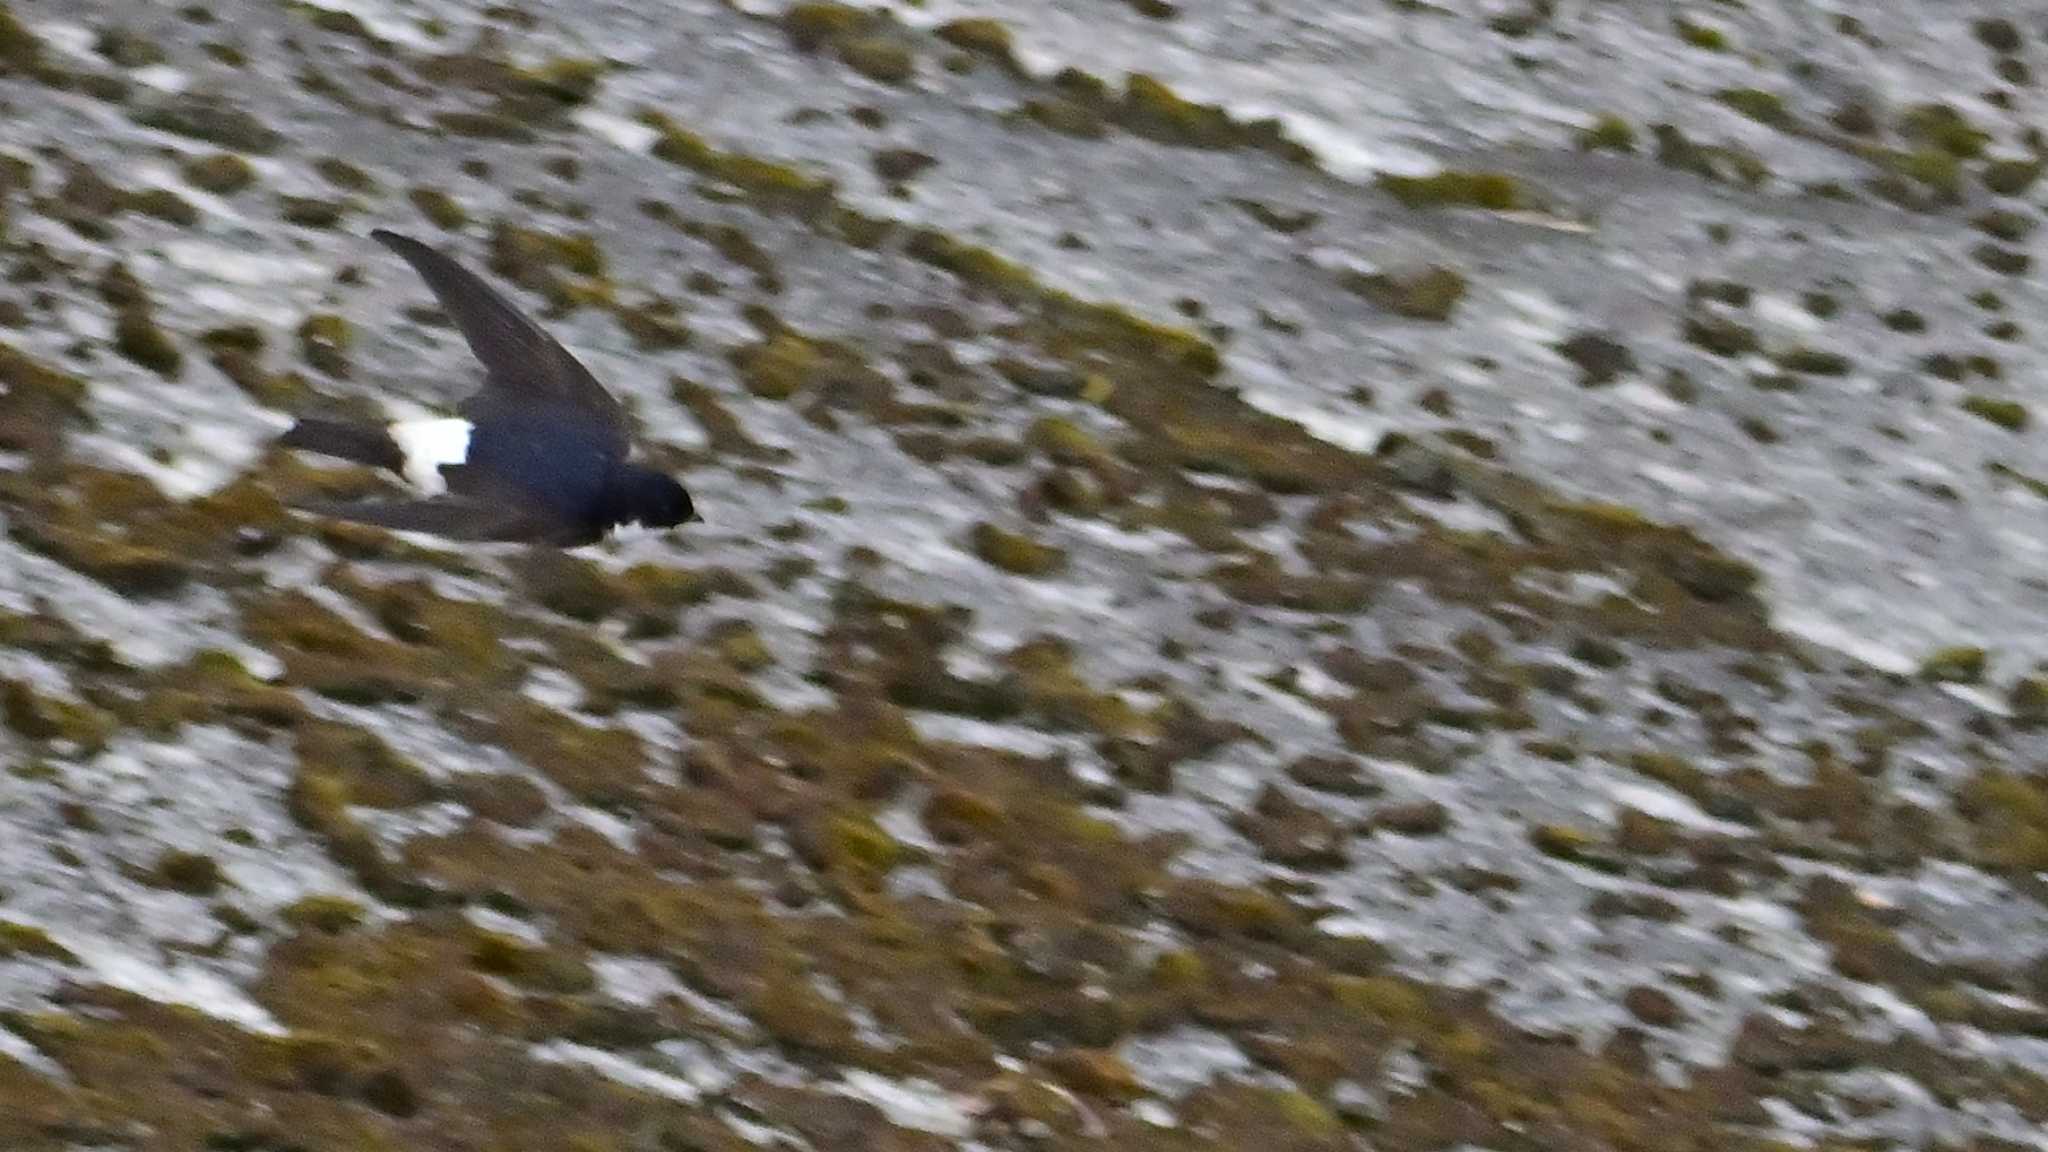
538,454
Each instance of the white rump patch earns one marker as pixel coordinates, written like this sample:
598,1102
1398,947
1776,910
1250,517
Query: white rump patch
428,444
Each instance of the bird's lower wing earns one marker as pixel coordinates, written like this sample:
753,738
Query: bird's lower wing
453,517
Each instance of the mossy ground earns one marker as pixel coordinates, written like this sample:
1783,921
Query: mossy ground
928,830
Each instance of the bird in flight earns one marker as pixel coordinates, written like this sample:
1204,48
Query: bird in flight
537,455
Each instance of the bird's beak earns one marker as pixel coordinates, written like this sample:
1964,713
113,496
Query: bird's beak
696,517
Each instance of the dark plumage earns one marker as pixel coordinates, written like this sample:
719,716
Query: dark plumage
538,455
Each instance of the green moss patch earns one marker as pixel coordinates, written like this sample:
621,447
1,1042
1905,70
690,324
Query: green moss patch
18,940
324,340
213,120
1429,294
2010,415
1016,553
1496,191
983,36
770,184
1962,664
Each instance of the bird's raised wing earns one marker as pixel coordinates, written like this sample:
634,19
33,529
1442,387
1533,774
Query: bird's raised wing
523,364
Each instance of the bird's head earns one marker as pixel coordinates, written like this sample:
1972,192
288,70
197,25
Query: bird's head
652,499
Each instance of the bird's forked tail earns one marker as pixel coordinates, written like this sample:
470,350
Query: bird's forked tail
369,444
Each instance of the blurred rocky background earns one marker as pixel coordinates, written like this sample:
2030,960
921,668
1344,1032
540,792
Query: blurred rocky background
1348,574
